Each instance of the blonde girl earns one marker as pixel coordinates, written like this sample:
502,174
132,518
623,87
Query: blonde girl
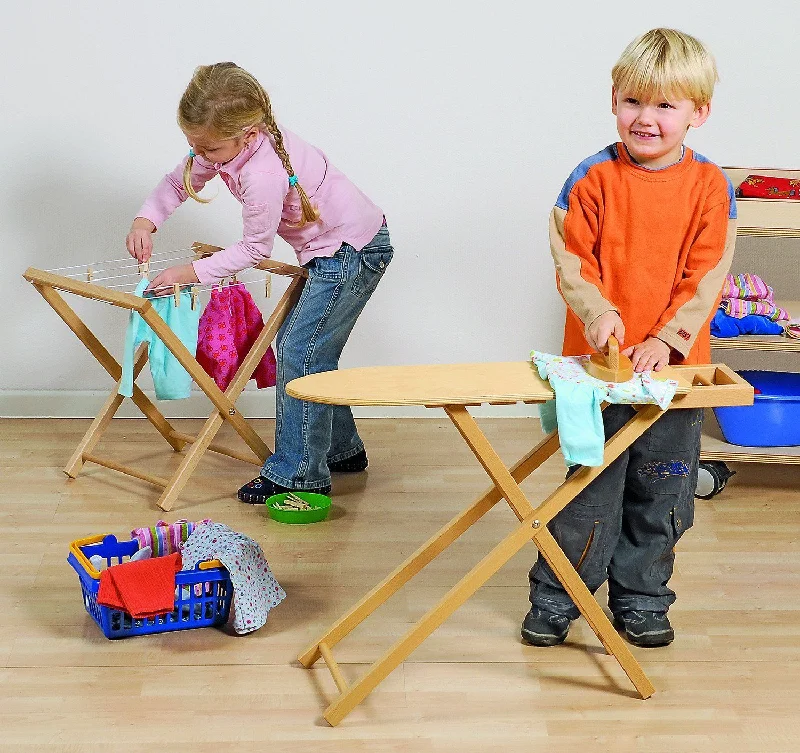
289,188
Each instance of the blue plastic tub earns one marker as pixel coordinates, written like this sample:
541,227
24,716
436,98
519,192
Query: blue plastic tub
202,596
774,418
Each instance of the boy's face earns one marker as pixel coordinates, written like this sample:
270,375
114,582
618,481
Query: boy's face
653,131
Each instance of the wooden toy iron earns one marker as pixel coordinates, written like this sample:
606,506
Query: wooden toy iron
610,366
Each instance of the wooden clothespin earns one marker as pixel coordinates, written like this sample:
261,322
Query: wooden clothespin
194,297
176,292
144,268
234,280
268,285
89,274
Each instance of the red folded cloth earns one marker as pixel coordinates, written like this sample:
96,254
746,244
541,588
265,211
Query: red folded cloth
769,187
144,588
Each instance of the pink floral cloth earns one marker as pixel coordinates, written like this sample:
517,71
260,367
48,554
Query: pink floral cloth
255,590
229,326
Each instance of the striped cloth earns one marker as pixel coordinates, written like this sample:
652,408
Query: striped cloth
165,538
745,294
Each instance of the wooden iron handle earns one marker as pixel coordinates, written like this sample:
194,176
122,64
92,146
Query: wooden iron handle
612,356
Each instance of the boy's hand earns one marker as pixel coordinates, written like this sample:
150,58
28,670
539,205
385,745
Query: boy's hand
605,325
139,241
183,274
651,355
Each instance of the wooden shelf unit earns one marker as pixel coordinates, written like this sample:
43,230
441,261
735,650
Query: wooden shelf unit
761,219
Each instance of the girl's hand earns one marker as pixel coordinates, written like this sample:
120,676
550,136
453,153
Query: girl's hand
651,355
139,241
183,274
605,325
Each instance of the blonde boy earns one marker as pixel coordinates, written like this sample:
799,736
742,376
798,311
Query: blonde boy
642,236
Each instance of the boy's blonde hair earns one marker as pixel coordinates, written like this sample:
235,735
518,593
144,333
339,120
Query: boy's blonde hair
223,100
666,63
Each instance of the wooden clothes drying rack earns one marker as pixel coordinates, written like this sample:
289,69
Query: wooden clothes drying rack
224,403
454,388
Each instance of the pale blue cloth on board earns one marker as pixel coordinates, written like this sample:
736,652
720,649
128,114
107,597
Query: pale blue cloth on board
577,409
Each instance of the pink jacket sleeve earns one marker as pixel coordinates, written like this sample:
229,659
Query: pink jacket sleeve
262,195
169,194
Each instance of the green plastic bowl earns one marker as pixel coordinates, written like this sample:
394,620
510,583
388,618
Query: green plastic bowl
321,506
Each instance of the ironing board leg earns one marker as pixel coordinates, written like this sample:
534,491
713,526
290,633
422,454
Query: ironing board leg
426,553
454,598
591,610
547,545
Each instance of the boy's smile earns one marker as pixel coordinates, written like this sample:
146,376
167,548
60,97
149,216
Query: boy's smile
653,130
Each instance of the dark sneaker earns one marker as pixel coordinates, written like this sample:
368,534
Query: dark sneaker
542,628
645,629
257,491
350,465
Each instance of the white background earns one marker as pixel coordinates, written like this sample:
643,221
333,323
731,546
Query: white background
461,120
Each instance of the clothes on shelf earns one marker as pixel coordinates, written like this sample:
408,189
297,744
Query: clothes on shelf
723,325
576,411
768,187
745,294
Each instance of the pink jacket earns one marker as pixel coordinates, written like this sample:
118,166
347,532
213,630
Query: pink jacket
258,180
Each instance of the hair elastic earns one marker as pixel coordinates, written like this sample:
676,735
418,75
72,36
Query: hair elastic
292,181
191,153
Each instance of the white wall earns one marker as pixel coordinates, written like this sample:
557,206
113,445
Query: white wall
461,120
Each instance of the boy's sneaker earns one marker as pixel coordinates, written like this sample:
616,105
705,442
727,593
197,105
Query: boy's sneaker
354,464
257,491
645,629
542,628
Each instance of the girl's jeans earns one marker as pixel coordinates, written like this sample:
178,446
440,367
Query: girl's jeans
309,435
624,525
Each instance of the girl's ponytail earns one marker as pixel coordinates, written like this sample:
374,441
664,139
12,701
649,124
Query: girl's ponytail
187,180
309,212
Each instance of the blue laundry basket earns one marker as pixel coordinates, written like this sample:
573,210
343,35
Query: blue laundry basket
202,596
774,418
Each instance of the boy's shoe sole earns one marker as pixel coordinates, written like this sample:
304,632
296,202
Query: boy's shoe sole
645,629
259,490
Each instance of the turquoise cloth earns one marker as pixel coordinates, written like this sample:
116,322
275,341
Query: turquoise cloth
577,414
577,409
171,380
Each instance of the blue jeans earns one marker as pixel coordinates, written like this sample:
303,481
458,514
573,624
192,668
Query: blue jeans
624,525
310,435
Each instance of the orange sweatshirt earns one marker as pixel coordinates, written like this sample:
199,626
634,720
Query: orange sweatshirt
653,245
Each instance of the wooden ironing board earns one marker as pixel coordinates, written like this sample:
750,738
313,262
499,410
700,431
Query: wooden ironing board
454,388
224,403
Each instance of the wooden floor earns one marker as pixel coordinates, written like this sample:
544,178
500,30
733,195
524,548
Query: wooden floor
730,681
